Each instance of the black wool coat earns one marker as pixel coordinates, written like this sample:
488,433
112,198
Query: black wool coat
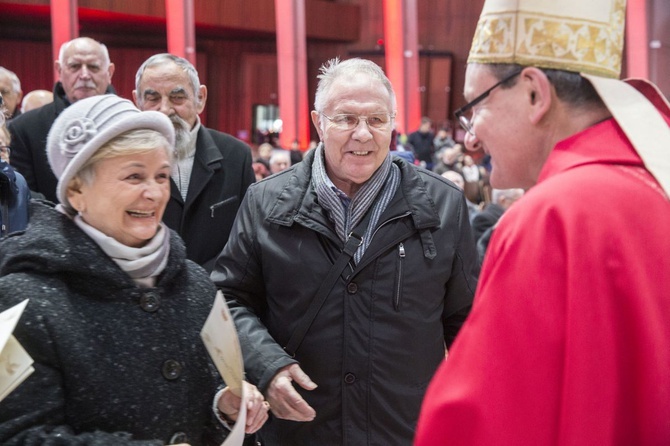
221,176
114,363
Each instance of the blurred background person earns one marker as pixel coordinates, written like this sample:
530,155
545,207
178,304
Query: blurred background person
35,99
421,142
457,179
264,153
14,193
501,200
449,158
130,368
443,138
485,221
10,88
260,171
279,160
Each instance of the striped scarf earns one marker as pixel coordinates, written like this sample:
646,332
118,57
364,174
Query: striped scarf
347,212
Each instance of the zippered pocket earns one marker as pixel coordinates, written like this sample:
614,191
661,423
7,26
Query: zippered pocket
215,206
397,289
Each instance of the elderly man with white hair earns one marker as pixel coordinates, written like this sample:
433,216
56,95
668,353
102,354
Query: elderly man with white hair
348,275
84,70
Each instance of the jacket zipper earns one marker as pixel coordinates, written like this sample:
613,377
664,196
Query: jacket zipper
398,287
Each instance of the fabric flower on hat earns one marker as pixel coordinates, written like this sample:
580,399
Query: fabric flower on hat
76,135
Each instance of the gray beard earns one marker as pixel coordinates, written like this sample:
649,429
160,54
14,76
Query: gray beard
182,141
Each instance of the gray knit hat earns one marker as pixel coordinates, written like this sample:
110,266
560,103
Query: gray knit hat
85,126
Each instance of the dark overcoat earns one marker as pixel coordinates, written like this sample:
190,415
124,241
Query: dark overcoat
114,363
221,175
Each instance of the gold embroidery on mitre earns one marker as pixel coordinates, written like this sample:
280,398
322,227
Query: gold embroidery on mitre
551,41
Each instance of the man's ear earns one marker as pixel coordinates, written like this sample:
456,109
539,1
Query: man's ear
110,70
75,195
135,99
316,120
202,98
538,91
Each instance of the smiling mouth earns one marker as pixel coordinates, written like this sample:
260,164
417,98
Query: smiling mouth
360,153
141,214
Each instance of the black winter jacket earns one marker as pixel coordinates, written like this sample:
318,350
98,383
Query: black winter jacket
381,334
115,364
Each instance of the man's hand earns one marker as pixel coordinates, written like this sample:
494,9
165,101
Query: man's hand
284,401
257,407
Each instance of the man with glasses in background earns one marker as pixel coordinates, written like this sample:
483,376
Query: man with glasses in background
568,342
348,275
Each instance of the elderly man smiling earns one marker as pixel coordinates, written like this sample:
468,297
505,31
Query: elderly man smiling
389,298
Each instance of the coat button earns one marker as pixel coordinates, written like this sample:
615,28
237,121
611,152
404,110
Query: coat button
150,301
349,378
171,370
352,288
178,438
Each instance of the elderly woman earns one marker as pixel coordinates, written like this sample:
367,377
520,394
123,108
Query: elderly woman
115,308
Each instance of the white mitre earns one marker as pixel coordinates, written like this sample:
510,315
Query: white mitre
586,37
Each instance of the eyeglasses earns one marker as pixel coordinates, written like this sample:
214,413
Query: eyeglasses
346,121
463,115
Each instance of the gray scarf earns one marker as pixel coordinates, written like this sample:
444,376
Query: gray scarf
143,264
346,213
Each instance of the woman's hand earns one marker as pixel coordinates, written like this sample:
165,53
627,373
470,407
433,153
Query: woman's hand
257,407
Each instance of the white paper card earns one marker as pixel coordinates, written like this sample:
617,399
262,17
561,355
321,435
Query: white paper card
15,362
220,338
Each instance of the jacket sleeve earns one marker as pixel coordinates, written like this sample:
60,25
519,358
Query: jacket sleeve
461,286
34,413
22,158
238,273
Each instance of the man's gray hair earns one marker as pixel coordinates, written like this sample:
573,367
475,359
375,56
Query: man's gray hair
66,45
16,83
334,69
165,58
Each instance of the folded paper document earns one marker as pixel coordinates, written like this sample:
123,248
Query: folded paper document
15,363
220,338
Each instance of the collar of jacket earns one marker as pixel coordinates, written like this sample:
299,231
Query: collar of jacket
294,203
206,150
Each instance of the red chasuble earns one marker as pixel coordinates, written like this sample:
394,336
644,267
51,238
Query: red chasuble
568,342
